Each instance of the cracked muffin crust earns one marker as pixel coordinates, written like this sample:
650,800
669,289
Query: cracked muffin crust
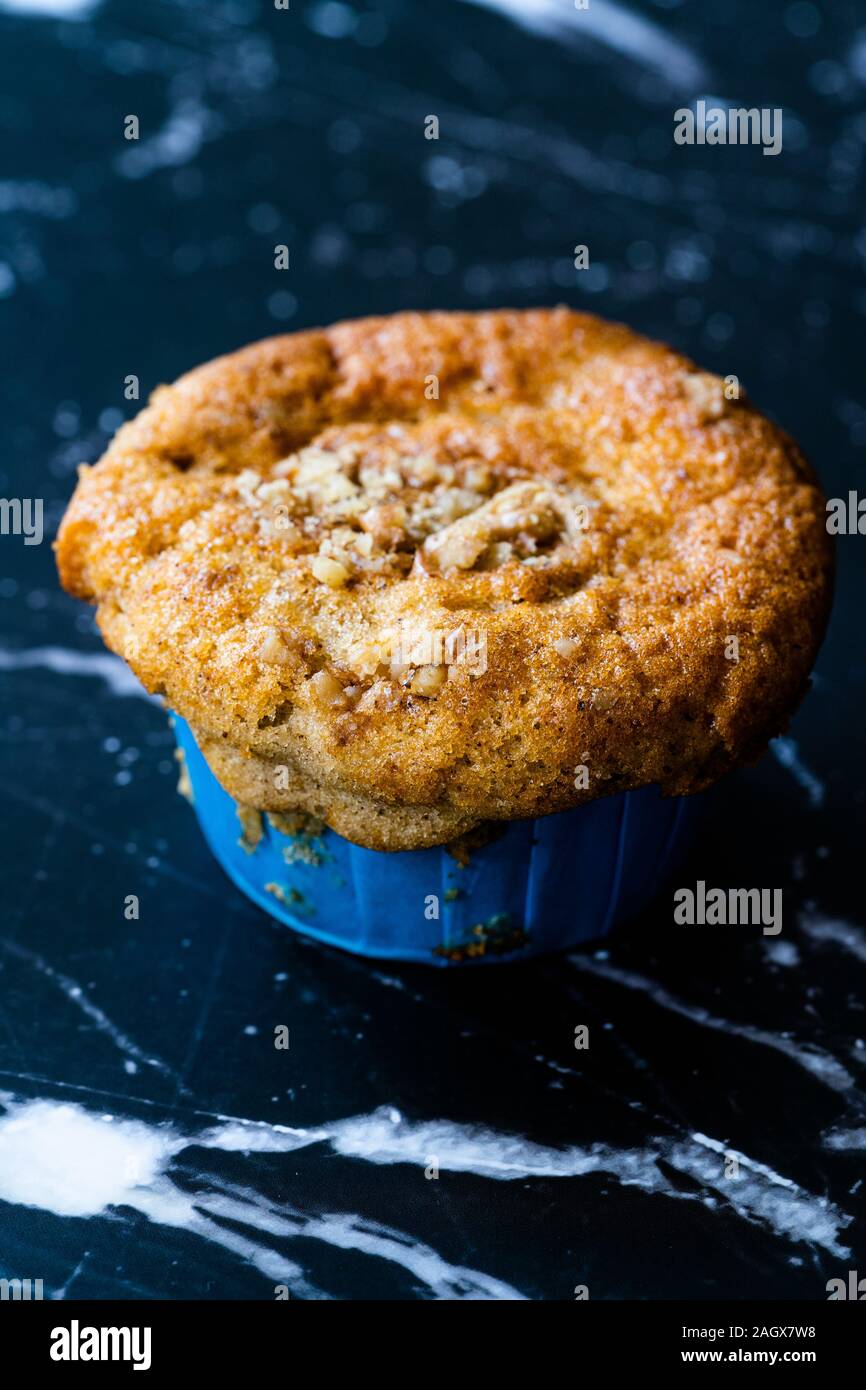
412,574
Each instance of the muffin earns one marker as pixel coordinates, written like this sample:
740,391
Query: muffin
421,577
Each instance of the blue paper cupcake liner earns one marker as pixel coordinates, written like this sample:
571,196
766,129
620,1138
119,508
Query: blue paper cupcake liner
542,885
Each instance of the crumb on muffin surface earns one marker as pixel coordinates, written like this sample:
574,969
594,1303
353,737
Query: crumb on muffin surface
409,574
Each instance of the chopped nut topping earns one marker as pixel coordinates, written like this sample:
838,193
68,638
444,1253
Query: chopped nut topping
386,524
429,680
451,549
362,544
279,490
456,502
272,648
499,553
380,481
330,572
479,477
367,510
327,691
383,695
707,393
366,659
246,483
421,471
524,513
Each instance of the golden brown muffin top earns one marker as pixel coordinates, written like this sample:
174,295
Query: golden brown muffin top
435,564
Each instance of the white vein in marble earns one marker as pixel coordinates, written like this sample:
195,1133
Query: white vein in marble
632,35
74,1162
50,9
820,1064
831,931
787,754
63,661
73,991
845,1140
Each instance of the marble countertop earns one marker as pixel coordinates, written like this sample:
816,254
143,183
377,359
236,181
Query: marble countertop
426,1135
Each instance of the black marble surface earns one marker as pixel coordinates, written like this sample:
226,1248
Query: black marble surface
124,1045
